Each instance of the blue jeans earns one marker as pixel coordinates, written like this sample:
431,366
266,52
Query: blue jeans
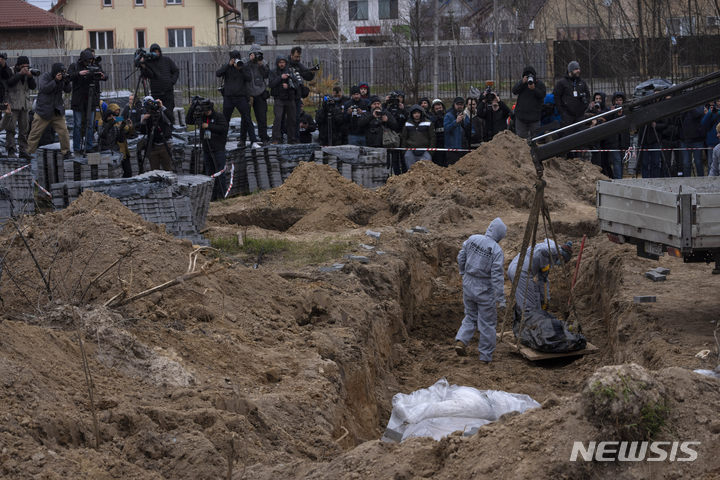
77,131
616,160
356,140
651,163
697,154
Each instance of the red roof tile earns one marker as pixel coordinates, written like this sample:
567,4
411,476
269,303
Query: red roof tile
20,14
225,4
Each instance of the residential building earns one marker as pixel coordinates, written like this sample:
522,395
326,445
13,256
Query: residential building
129,24
24,26
259,21
362,20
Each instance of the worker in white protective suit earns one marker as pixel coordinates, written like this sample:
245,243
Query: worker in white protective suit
481,262
536,295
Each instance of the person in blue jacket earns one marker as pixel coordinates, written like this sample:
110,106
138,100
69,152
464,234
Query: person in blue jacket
454,124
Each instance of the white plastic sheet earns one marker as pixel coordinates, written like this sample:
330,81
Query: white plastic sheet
442,409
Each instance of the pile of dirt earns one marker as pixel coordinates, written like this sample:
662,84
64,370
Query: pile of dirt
499,175
315,197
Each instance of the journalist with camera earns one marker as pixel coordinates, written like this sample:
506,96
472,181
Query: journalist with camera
572,95
162,73
454,125
5,74
257,83
50,109
495,113
213,135
114,134
284,89
235,93
530,92
355,108
157,128
19,85
330,122
85,76
301,74
375,121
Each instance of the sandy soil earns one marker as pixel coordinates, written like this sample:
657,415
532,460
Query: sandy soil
286,371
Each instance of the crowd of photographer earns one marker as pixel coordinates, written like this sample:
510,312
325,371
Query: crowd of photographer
361,119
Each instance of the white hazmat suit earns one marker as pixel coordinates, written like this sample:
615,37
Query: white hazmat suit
481,263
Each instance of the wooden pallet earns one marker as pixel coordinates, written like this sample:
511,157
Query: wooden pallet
534,355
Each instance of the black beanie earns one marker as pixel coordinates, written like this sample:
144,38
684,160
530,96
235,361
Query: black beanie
354,89
22,60
56,68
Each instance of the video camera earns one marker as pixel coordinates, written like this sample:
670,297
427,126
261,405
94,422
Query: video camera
393,100
329,101
200,104
95,71
151,106
141,54
488,88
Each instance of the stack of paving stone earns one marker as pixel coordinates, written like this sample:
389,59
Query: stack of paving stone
270,166
51,168
363,165
16,191
180,202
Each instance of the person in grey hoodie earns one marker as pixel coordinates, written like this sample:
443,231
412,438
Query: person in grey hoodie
50,109
481,263
256,85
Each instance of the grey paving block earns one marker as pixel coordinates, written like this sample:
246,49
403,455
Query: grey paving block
655,276
662,270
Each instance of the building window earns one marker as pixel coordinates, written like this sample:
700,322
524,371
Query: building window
139,38
388,9
179,37
358,9
139,3
173,2
101,40
251,11
680,26
107,3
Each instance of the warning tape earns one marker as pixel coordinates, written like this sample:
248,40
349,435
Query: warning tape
433,149
14,171
42,189
217,174
641,150
232,176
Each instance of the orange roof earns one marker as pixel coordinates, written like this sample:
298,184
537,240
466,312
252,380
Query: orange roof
225,4
20,14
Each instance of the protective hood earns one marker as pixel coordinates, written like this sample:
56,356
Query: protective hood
603,97
278,59
154,47
416,108
529,71
56,68
255,48
86,56
366,85
496,230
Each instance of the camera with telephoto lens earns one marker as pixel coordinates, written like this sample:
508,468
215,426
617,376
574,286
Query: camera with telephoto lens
355,110
258,56
95,71
151,106
329,101
35,72
531,80
315,68
393,100
3,107
141,54
377,113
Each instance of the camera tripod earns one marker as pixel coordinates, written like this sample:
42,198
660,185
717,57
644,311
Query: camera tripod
152,124
88,120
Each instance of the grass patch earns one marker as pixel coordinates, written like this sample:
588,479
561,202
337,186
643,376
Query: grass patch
298,252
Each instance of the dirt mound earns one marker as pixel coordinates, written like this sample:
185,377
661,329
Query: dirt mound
499,174
317,194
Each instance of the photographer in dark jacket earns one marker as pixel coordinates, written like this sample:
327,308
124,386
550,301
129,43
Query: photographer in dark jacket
373,122
258,73
572,95
438,120
50,109
283,88
330,122
619,141
307,127
495,113
355,108
157,128
5,74
17,94
305,73
82,74
692,137
163,74
213,133
530,93
235,94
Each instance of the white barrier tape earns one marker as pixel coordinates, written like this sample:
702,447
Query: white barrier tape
641,150
15,171
432,149
42,189
232,176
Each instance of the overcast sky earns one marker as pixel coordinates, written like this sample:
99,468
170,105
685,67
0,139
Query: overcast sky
46,4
